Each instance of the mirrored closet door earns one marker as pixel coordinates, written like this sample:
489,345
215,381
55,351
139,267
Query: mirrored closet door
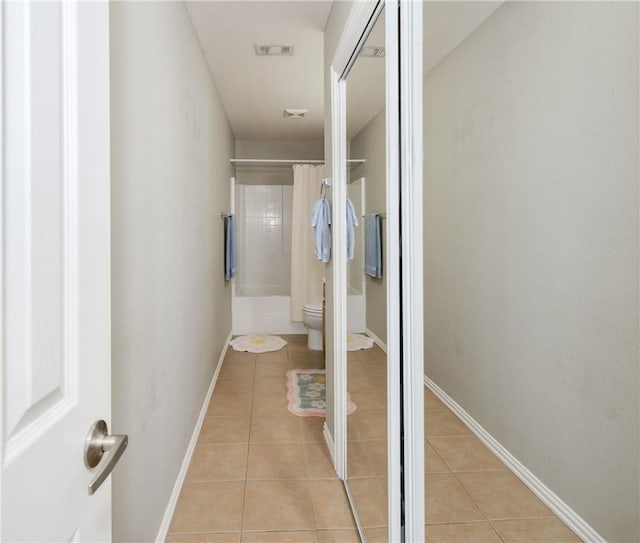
366,290
376,133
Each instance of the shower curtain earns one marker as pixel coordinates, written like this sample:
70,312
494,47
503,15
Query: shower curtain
306,272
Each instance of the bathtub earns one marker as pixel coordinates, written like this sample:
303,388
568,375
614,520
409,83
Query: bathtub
265,310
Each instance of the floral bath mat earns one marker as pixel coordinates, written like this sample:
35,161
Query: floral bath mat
307,393
258,343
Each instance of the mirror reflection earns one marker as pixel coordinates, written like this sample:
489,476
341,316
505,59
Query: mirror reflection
366,289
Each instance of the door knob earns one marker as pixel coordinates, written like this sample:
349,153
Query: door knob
104,450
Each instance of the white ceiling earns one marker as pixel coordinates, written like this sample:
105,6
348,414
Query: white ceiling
255,90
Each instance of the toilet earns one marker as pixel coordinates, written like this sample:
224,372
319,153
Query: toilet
312,319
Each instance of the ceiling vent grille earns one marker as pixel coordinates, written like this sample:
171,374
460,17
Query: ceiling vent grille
272,50
291,113
372,51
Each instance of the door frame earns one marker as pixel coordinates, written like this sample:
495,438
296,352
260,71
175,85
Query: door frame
411,203
2,260
403,81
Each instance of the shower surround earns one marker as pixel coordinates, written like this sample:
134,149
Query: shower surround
261,290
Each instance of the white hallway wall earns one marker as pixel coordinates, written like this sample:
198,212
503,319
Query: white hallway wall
531,245
171,145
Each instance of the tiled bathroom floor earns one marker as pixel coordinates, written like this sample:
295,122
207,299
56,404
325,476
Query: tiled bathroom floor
471,495
260,474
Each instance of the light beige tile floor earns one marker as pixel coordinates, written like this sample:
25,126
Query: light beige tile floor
367,440
470,495
262,475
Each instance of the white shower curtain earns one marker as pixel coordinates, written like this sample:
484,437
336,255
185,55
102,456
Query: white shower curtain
306,271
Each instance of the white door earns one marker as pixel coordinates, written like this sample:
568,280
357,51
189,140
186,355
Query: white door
55,268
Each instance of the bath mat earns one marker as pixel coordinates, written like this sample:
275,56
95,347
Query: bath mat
307,393
355,342
258,343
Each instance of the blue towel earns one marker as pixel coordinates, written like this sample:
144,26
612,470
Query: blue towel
352,222
321,222
373,245
230,249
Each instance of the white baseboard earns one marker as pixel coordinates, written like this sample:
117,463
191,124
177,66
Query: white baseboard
546,495
329,442
377,340
177,487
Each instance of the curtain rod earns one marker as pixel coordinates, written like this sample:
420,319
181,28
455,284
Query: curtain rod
288,161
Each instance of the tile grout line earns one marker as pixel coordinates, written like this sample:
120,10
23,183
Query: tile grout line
301,442
459,483
246,470
244,493
442,459
308,480
451,472
370,388
241,531
217,481
437,454
306,463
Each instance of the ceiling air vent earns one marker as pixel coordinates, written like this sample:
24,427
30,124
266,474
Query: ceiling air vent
372,51
272,50
291,113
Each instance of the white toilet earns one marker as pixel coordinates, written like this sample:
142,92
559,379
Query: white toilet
312,319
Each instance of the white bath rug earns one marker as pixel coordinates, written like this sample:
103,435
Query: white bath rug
257,343
355,342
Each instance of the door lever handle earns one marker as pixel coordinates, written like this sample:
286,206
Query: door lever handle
104,450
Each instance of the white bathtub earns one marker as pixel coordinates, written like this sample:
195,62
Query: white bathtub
265,310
